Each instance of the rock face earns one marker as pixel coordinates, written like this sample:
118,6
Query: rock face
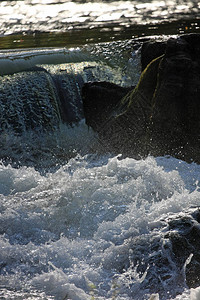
99,99
175,121
161,116
150,50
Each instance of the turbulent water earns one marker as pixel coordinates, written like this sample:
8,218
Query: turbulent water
76,221
70,233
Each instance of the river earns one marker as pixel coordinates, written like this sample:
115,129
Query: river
76,221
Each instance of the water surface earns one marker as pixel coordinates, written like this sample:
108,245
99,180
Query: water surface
76,221
71,23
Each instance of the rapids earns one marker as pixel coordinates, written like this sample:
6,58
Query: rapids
73,233
76,221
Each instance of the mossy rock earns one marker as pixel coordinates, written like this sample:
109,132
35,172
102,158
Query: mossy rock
127,130
160,116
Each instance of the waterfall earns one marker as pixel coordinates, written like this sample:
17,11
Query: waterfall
28,100
41,89
33,98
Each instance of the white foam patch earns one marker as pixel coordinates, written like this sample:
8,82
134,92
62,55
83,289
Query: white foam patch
69,232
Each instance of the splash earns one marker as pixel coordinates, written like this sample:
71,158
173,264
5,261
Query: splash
95,227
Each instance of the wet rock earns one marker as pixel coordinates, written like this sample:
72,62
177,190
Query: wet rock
125,128
167,259
161,115
175,123
184,235
150,50
99,99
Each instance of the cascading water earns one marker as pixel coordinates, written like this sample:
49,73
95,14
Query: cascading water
28,100
37,99
41,96
77,222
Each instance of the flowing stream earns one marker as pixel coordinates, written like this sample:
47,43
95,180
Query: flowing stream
76,221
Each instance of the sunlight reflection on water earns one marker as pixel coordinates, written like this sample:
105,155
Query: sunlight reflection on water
54,15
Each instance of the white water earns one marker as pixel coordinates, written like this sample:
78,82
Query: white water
69,233
74,224
85,227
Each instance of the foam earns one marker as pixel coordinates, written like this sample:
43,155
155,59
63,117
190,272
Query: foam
70,231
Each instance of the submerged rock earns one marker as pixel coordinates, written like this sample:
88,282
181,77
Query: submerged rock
161,115
168,259
184,235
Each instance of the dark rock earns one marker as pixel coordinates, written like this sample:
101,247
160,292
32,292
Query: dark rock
175,127
150,50
184,235
161,115
125,127
168,255
99,99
